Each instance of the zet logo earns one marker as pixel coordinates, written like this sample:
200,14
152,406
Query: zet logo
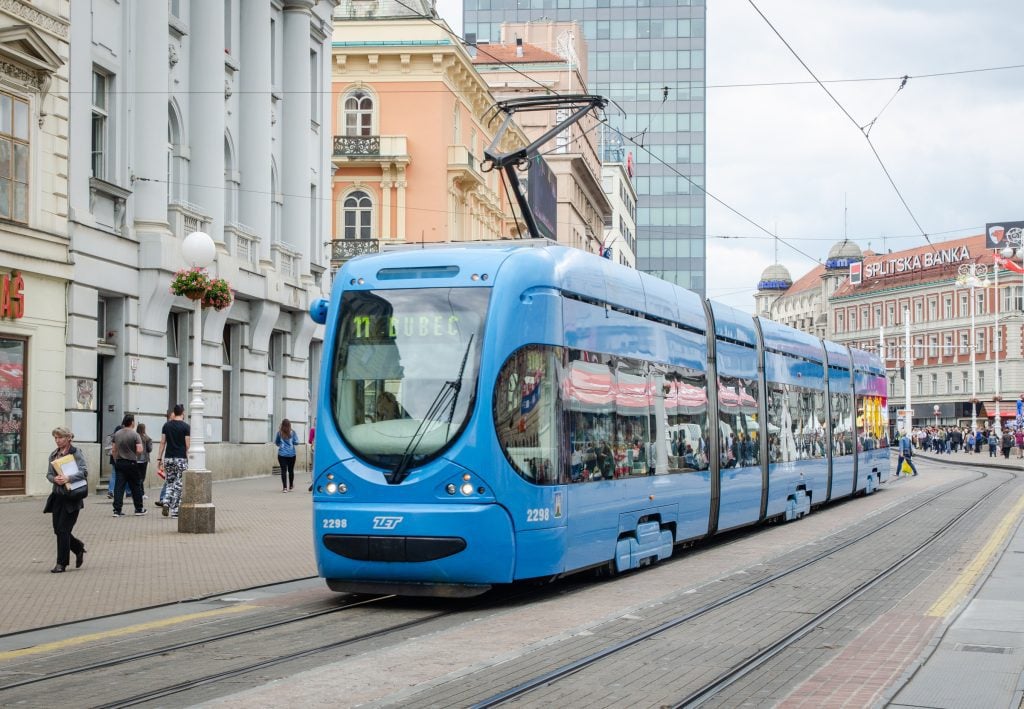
386,522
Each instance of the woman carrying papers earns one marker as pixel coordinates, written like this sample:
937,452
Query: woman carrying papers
66,470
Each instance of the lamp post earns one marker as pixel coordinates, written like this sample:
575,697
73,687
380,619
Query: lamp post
973,275
197,513
1014,249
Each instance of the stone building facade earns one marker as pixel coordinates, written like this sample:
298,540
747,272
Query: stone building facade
34,265
210,116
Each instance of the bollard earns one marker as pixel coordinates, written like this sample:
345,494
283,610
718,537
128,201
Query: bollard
197,514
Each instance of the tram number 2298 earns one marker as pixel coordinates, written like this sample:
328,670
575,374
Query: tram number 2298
538,514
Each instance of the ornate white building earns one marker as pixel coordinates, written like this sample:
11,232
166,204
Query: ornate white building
34,268
207,115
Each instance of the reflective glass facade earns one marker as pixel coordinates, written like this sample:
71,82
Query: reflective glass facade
648,57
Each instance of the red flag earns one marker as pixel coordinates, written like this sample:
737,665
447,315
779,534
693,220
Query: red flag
1009,263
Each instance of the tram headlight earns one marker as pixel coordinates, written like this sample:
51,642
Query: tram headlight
450,488
467,488
332,488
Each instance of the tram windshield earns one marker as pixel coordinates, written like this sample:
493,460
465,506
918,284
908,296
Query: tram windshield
405,371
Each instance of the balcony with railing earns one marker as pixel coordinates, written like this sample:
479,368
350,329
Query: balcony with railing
464,167
243,243
286,260
370,148
185,218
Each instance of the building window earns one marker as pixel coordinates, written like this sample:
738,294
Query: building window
981,380
891,315
963,305
933,346
965,343
947,307
965,381
1012,299
920,385
980,305
980,342
358,113
918,310
935,383
314,86
358,214
933,308
949,382
947,345
100,125
13,158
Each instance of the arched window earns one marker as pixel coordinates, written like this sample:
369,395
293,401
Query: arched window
230,185
358,111
176,164
358,210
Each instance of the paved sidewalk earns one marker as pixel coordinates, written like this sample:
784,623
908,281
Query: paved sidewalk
262,537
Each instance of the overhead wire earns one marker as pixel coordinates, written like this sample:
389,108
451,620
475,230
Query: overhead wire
847,114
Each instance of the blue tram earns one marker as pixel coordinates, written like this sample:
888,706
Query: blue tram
491,413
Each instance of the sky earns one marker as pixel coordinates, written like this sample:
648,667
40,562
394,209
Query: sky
787,160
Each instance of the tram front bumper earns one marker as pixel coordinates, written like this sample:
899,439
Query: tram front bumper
430,543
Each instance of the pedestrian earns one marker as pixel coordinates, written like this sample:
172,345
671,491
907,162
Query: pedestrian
127,447
906,454
110,454
1006,443
970,442
172,458
1018,438
160,472
993,442
63,504
286,440
143,461
312,450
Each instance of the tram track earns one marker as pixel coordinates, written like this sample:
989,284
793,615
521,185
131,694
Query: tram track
550,679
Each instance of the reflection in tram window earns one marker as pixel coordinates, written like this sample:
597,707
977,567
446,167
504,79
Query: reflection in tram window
796,423
738,425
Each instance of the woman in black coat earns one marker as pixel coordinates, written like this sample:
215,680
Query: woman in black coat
64,505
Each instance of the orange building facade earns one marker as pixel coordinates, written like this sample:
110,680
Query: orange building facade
409,135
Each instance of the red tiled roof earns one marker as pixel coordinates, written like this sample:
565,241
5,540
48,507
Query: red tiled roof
506,53
811,279
891,277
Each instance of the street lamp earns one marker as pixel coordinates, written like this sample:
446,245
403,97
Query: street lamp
1013,249
196,513
973,275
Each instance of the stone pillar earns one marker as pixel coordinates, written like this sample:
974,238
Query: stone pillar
206,111
385,204
297,114
196,514
400,215
255,128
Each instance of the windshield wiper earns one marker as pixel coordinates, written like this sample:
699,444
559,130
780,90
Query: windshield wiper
448,389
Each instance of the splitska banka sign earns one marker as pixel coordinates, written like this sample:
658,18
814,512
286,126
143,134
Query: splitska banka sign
917,262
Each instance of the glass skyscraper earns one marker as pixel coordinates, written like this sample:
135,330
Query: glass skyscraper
648,57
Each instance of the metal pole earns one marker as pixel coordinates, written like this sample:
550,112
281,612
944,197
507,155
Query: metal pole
197,449
908,360
995,345
974,349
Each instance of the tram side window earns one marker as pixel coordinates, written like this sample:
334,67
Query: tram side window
842,423
525,404
686,418
739,429
872,422
796,423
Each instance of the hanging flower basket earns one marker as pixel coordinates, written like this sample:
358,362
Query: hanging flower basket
219,295
191,283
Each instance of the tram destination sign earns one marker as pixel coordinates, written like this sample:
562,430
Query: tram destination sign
915,262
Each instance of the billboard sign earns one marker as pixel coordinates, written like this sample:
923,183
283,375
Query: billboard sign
1000,234
542,193
856,272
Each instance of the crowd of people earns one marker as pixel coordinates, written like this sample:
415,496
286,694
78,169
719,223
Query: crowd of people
1007,442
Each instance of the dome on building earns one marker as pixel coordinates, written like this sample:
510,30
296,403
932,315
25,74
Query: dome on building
845,249
775,277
